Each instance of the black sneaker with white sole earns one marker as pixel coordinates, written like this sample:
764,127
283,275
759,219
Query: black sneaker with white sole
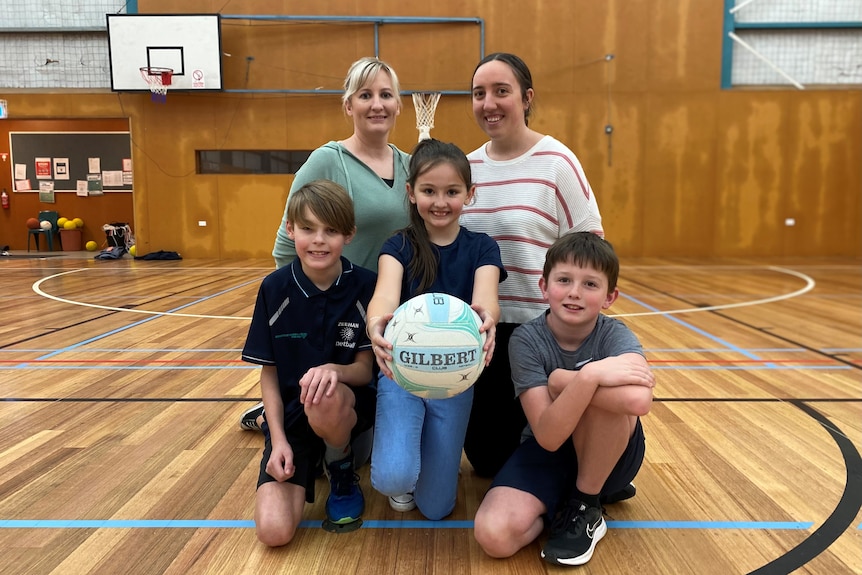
248,421
574,533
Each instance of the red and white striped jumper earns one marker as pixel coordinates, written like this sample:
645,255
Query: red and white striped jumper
525,204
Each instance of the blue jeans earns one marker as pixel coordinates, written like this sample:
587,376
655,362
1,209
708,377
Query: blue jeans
417,446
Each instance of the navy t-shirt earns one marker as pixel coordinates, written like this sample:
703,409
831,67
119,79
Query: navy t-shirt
456,267
296,326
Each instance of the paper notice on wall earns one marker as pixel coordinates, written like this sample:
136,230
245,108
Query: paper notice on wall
46,192
94,185
112,179
61,168
20,171
94,165
81,188
43,168
22,185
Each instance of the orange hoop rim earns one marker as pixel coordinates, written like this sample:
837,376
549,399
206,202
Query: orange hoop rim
156,76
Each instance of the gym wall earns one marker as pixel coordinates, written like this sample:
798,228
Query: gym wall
689,169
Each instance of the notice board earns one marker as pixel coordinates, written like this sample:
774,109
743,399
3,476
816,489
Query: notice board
76,152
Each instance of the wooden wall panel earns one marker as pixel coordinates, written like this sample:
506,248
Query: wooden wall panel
679,179
615,167
614,27
684,50
789,155
692,171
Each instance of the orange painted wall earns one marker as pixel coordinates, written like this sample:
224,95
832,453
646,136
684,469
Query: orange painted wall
690,169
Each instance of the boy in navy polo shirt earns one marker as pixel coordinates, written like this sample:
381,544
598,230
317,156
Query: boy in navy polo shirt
308,334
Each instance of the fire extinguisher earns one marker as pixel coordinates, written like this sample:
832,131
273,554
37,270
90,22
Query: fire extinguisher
4,199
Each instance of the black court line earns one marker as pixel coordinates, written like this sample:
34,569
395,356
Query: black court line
842,516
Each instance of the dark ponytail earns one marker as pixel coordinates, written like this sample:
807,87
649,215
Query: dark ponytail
426,257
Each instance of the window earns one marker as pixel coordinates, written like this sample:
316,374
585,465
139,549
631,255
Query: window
792,42
251,161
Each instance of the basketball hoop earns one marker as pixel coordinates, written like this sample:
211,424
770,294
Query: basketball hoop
159,79
425,104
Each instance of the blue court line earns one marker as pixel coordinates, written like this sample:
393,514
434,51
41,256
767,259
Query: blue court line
697,330
370,524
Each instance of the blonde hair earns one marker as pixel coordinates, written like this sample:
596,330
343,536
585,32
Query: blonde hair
362,72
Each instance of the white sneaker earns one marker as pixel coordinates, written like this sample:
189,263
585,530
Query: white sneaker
402,503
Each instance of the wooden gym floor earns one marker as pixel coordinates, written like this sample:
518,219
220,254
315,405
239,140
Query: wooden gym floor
122,388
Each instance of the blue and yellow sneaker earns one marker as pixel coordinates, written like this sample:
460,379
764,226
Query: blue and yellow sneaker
345,503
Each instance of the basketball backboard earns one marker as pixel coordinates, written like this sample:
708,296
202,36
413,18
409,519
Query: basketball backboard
190,44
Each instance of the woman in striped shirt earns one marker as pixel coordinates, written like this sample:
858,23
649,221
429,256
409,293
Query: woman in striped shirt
530,190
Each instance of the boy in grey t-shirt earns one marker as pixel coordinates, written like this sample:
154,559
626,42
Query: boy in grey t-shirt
584,383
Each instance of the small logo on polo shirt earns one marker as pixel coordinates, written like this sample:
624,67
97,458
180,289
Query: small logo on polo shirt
298,335
347,331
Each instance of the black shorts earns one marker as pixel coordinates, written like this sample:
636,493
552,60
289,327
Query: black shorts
308,448
550,475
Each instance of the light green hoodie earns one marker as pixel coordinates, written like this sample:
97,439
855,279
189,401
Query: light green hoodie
380,210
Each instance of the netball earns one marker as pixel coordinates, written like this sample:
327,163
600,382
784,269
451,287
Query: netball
437,346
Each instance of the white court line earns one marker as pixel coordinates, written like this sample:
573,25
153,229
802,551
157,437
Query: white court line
809,285
37,288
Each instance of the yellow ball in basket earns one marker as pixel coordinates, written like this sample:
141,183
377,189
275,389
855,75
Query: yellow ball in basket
69,225
436,345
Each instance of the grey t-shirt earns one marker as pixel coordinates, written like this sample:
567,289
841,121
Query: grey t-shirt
534,353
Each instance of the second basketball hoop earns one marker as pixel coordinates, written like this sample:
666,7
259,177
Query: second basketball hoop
159,80
425,104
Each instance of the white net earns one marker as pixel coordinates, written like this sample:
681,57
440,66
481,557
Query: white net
158,79
425,104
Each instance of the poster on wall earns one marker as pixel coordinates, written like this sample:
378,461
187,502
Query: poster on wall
61,168
43,168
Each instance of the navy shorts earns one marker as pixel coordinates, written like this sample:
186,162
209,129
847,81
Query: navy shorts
550,475
308,448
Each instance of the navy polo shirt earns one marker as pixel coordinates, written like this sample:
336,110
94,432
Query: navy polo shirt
296,326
